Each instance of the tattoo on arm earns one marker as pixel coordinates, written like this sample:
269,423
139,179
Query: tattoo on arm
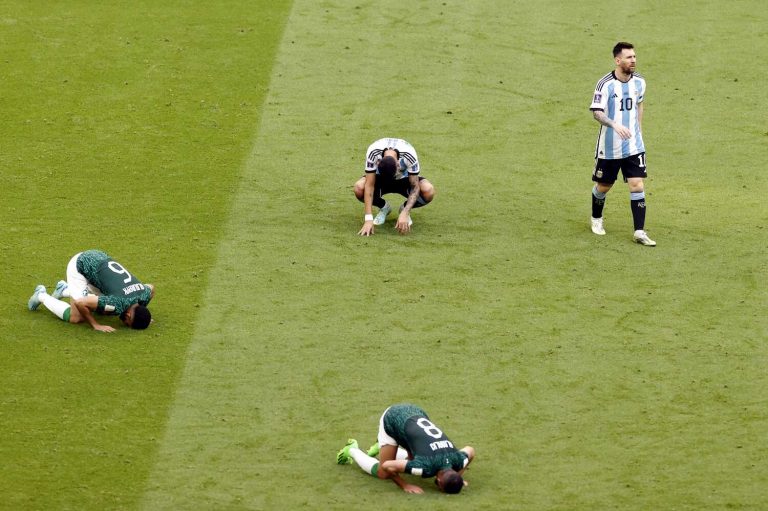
603,119
414,195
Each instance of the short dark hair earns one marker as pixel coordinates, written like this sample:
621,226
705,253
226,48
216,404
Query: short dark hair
388,166
141,318
452,482
620,46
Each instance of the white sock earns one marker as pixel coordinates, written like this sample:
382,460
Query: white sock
365,462
65,293
402,454
59,308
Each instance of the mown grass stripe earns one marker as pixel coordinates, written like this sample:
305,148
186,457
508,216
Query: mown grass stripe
181,477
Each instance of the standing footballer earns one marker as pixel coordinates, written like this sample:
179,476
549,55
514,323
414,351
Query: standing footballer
617,104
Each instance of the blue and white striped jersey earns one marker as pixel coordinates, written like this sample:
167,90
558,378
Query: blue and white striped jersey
409,161
620,103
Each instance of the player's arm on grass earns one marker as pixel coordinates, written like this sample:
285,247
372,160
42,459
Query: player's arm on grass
85,306
470,452
370,183
402,220
391,468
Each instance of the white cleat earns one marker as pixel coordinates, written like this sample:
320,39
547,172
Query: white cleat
642,238
34,300
381,216
597,226
58,292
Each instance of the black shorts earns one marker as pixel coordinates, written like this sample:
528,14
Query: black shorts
606,171
384,186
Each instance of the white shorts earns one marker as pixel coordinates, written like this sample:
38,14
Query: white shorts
77,284
384,438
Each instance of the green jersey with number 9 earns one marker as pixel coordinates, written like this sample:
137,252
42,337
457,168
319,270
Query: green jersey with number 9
120,289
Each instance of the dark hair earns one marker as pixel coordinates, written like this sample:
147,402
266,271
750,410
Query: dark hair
141,318
388,166
620,46
452,482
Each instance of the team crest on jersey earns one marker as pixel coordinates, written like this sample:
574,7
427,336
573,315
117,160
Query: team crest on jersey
597,98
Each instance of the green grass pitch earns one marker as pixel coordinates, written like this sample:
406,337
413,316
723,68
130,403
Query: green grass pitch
212,148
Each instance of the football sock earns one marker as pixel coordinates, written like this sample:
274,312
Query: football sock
65,293
379,201
638,209
369,464
598,202
59,308
366,463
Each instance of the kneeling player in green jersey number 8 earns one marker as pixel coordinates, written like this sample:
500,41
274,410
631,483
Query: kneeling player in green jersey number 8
409,442
96,283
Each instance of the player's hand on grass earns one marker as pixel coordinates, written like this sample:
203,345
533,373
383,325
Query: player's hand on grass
402,225
412,488
104,328
367,229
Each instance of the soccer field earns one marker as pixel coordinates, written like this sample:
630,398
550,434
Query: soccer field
212,150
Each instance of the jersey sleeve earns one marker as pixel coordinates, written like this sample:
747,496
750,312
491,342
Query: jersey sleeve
599,100
408,166
461,461
641,92
112,305
409,160
372,157
370,163
144,297
417,468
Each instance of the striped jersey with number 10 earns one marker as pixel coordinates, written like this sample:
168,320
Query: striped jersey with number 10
619,101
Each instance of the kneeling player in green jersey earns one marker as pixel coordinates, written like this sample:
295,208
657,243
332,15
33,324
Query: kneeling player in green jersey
408,442
97,283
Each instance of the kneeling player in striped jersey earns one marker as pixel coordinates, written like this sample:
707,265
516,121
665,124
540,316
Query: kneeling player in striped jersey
391,166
